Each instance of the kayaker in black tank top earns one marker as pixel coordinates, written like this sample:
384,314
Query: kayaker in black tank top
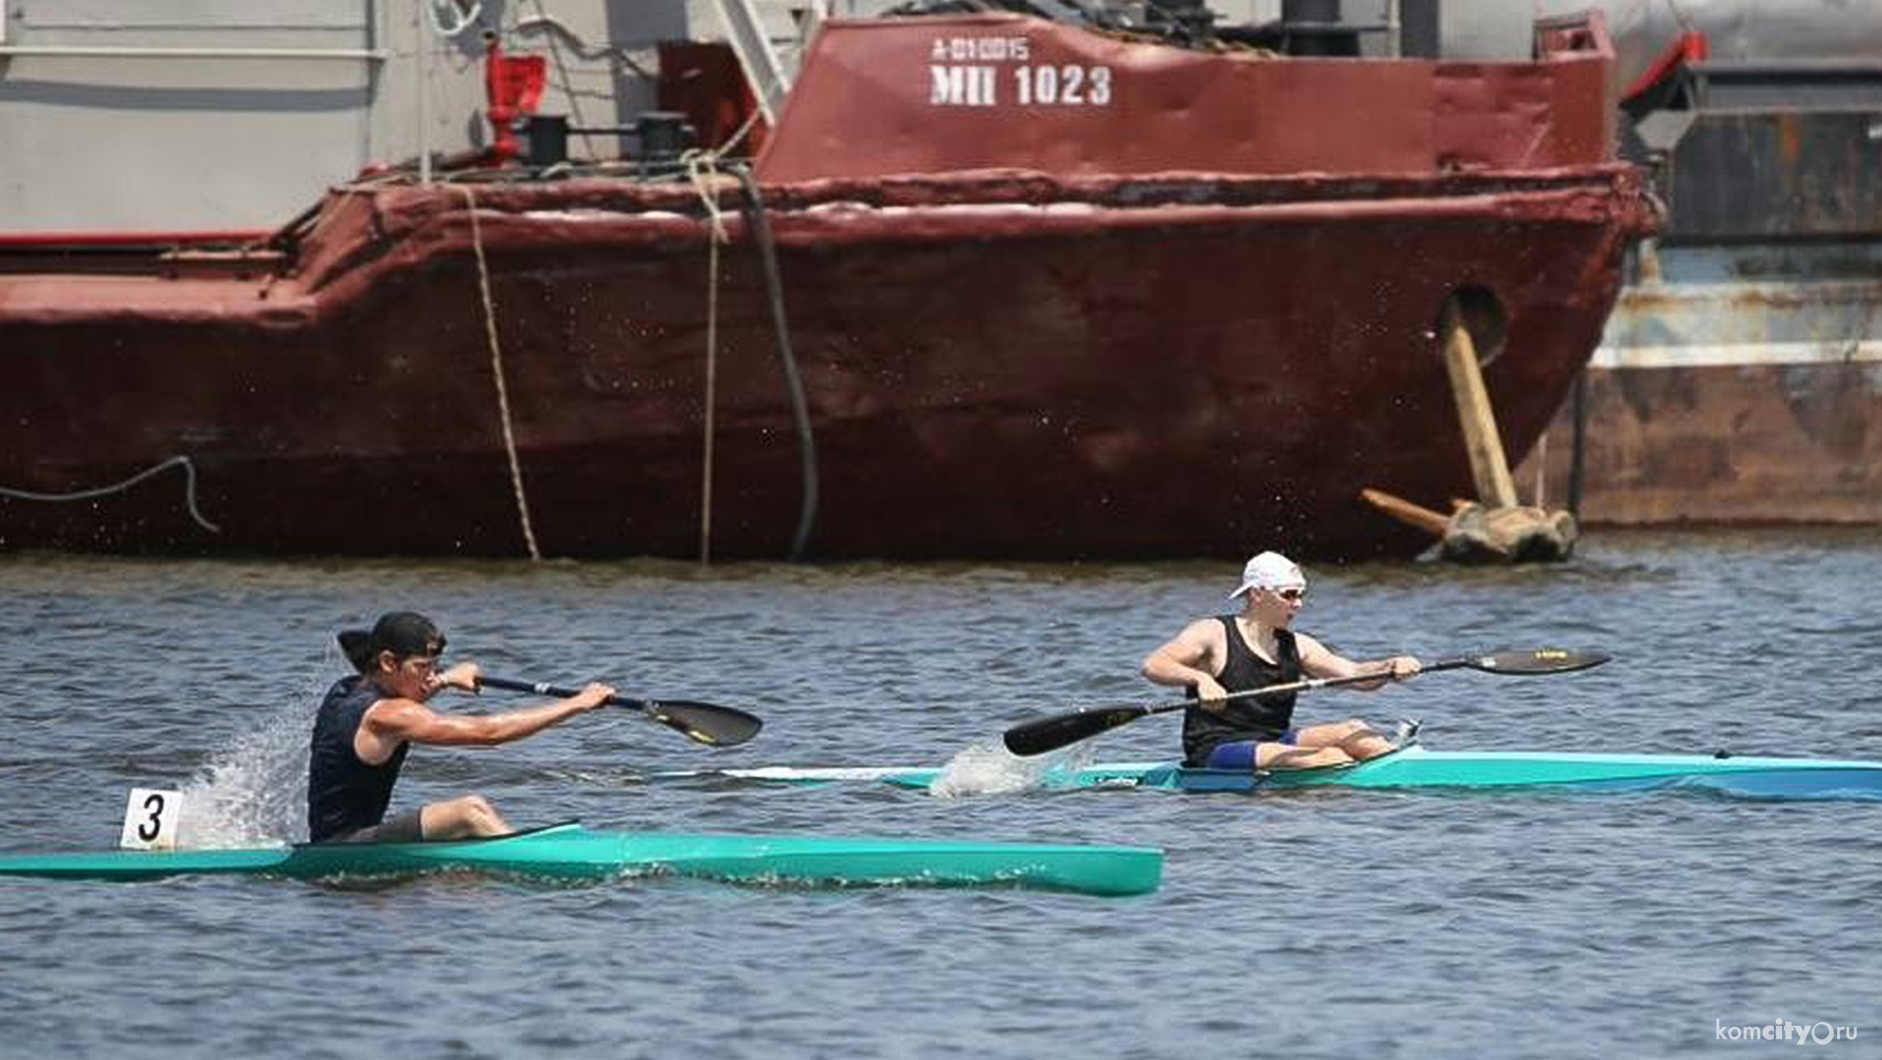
344,794
1265,719
1258,648
368,722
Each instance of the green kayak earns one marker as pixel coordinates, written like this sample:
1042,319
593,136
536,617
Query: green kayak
570,851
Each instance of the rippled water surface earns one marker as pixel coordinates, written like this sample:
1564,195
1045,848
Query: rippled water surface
1308,924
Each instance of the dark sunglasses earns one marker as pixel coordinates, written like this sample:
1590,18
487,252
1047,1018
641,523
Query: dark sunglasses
1290,595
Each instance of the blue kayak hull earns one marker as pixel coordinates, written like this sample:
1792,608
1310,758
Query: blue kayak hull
1746,777
1416,768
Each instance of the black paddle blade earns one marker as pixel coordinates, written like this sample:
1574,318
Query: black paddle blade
705,723
1040,735
1539,661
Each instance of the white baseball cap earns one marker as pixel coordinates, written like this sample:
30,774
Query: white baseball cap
1270,570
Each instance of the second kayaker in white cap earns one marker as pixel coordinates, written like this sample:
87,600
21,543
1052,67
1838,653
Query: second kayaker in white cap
1255,648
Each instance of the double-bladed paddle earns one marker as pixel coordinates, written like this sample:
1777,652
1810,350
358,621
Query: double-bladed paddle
708,723
1050,733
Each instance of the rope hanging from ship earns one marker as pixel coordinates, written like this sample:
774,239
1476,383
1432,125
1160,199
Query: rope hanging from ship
189,490
701,168
496,371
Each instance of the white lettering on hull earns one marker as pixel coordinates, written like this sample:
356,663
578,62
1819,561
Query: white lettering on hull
961,74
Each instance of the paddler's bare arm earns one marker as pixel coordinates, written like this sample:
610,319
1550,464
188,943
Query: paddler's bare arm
1189,659
1316,660
392,721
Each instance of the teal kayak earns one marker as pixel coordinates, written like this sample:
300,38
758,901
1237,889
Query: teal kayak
570,851
1743,776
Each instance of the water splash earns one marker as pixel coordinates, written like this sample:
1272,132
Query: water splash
255,792
982,769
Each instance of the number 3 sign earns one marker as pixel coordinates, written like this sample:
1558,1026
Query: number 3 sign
150,819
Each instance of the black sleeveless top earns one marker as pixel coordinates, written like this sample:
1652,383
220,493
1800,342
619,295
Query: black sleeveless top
345,794
1264,718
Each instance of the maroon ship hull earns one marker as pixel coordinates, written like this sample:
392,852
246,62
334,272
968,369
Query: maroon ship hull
995,364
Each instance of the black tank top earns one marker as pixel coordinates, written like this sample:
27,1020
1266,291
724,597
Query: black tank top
345,794
1265,718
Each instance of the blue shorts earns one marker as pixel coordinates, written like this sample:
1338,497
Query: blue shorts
1241,753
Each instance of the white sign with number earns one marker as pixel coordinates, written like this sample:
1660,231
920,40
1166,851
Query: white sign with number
150,819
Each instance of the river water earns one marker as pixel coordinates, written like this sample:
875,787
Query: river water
1309,924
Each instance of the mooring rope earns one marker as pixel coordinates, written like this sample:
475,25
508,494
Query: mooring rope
701,168
189,490
496,370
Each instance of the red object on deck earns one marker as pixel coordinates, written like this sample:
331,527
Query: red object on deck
513,88
1689,47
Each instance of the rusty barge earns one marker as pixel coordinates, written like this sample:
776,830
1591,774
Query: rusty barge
997,287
